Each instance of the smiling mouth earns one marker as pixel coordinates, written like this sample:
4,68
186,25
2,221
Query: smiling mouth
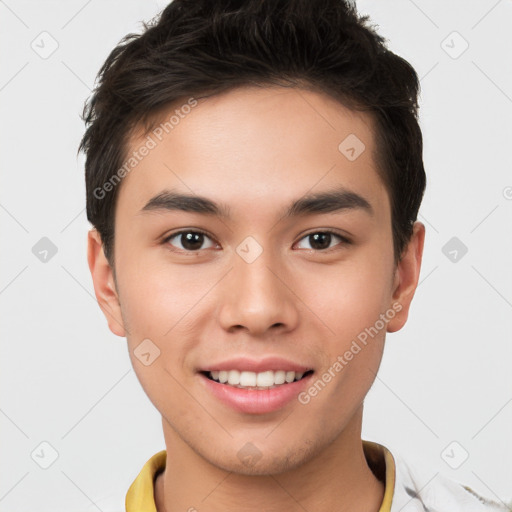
255,380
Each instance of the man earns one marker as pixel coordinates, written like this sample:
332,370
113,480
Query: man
254,173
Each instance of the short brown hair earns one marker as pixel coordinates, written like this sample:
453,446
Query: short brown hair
201,48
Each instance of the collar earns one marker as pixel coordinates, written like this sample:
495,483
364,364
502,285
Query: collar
140,496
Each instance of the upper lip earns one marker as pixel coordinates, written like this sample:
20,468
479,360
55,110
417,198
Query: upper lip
256,365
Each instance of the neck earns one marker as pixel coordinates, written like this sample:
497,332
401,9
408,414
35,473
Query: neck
337,478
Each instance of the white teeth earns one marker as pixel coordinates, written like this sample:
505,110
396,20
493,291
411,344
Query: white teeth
265,379
279,377
247,379
262,380
234,377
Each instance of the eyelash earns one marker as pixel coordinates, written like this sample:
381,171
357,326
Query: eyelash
344,240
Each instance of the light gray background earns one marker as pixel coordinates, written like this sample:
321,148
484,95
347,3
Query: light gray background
67,381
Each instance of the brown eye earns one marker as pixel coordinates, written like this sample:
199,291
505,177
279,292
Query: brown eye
321,240
189,240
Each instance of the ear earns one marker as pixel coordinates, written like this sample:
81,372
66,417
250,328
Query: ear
406,278
104,284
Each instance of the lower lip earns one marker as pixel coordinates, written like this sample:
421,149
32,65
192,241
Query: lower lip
256,401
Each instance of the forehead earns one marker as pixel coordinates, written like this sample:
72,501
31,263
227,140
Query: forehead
255,144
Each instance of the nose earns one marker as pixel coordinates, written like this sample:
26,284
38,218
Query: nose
258,297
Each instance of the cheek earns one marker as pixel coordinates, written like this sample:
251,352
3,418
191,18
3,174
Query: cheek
154,296
155,310
350,302
160,304
349,297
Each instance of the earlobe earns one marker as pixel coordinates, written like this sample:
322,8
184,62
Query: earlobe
406,278
104,285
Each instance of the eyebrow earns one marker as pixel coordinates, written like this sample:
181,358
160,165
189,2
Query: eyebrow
337,200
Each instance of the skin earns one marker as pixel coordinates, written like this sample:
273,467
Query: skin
257,150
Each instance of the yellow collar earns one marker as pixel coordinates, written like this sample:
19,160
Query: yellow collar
140,496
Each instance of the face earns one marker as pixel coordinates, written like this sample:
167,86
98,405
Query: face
245,283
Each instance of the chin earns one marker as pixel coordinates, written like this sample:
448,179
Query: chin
250,461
